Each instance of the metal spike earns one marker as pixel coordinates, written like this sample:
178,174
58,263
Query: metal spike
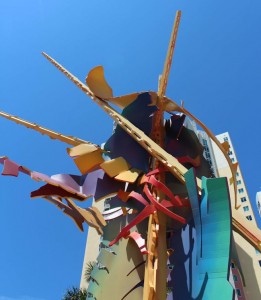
167,65
70,76
74,141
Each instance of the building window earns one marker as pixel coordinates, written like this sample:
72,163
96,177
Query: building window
230,152
207,155
249,218
259,263
235,277
241,191
246,208
239,292
225,139
237,174
238,182
232,159
232,265
257,252
243,199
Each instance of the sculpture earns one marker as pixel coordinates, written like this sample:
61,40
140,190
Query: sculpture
147,169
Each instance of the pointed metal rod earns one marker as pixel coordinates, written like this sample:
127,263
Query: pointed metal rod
69,75
74,141
167,65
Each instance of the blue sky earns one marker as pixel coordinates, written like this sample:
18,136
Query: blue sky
216,71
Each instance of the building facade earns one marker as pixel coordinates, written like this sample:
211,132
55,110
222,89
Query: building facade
91,248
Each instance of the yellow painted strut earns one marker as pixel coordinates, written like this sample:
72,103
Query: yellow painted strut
52,134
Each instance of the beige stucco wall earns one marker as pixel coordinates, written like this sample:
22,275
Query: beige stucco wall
91,248
247,260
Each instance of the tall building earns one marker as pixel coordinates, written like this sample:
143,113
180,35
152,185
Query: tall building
246,260
258,202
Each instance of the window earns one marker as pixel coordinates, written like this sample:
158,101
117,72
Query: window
235,277
237,174
230,152
241,191
225,139
232,265
246,208
239,292
243,199
259,263
249,218
257,252
205,142
238,182
232,159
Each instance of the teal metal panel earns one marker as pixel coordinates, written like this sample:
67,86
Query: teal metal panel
212,220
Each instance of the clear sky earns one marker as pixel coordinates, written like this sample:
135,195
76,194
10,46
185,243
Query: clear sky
216,71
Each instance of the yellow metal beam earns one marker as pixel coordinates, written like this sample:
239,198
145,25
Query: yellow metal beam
166,70
52,134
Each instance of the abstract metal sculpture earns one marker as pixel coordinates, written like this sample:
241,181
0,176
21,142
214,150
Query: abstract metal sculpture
165,207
